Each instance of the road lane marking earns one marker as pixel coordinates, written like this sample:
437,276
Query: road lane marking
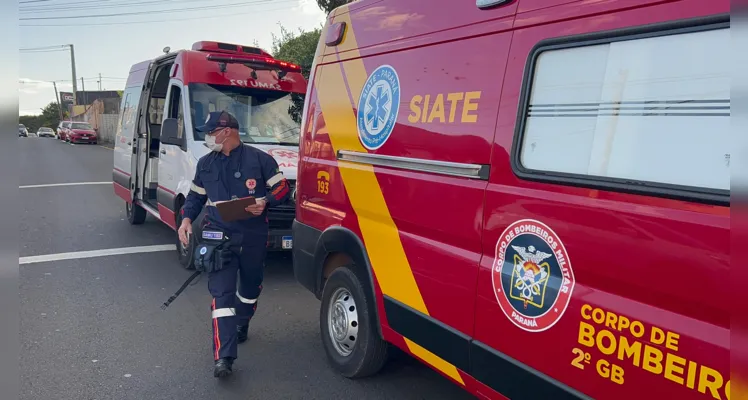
64,184
108,148
95,253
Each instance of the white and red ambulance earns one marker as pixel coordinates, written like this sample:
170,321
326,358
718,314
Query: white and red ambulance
157,147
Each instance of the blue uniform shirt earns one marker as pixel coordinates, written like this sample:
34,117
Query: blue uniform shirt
246,171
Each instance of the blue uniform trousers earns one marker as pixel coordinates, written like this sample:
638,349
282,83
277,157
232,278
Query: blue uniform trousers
234,305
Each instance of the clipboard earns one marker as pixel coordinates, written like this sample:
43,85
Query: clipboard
234,210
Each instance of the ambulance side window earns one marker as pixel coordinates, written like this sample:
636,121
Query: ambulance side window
647,114
129,111
175,109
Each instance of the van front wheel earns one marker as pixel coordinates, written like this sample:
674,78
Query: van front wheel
349,333
135,213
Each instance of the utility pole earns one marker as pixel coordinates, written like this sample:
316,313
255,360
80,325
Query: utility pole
75,79
85,100
57,97
99,81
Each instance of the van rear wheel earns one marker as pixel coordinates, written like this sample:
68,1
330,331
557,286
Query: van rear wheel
135,213
349,332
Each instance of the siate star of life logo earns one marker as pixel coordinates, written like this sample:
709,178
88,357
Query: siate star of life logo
378,107
532,276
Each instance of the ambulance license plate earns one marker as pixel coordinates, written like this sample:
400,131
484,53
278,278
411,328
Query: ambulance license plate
287,242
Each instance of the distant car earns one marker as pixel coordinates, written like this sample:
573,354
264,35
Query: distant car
62,129
45,132
22,131
81,132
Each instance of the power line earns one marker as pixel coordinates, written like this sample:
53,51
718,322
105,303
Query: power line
159,21
84,5
31,1
68,80
45,47
72,3
147,12
42,51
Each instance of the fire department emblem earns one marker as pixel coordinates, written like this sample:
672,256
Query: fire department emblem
251,183
378,107
532,276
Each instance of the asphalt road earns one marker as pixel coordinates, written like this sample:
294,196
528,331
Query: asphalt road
91,328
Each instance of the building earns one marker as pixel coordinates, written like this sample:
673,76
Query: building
100,109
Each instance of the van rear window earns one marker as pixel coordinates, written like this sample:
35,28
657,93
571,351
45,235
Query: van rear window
654,110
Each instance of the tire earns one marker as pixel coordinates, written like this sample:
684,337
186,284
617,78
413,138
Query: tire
355,348
135,213
185,254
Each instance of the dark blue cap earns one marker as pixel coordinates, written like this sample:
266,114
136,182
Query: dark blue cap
218,119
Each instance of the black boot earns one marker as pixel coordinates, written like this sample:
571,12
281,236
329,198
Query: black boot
223,367
242,333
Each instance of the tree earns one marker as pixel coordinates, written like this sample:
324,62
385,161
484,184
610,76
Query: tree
329,5
31,122
49,117
51,113
298,48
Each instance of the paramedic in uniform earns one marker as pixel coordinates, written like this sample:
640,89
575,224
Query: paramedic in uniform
233,170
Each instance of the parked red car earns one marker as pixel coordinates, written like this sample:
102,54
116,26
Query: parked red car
80,132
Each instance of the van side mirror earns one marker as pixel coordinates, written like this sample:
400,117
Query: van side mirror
169,130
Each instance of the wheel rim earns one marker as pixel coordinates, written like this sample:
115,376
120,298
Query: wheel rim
342,322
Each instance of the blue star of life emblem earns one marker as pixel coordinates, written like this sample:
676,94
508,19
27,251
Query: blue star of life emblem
378,107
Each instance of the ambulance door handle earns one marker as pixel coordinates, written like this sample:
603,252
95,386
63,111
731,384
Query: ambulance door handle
129,143
163,151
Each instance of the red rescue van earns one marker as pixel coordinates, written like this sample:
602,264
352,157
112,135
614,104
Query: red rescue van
529,196
157,148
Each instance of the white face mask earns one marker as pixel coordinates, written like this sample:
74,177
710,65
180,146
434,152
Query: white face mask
210,142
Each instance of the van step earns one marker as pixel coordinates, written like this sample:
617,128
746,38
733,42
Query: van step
151,210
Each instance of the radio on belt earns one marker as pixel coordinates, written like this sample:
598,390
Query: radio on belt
215,251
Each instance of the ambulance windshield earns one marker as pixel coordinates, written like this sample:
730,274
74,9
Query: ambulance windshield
265,116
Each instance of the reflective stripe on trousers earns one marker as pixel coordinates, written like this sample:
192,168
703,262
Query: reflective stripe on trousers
235,297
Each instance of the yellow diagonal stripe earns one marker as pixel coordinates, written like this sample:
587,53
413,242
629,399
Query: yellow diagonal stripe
434,360
380,235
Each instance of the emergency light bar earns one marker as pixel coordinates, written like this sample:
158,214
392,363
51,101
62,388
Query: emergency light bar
228,48
255,62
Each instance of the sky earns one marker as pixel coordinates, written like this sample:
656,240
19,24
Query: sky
110,45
